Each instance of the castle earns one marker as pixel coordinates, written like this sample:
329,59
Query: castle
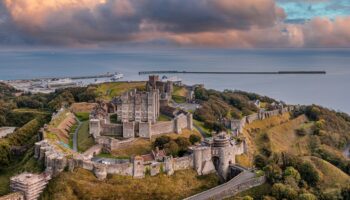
137,114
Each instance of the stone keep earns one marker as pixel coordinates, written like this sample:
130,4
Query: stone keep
138,106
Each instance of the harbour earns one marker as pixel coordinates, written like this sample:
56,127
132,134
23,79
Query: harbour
232,72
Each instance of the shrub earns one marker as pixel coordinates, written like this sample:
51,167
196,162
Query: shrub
161,141
301,131
273,173
172,148
307,196
281,191
260,161
309,173
194,138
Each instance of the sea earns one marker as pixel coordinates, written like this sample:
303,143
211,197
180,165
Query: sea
331,90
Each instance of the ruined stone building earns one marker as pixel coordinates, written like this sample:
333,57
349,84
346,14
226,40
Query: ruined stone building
31,185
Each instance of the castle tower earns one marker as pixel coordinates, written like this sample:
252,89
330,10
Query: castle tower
95,127
223,155
139,168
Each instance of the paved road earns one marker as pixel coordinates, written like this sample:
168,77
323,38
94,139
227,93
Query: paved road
241,178
75,136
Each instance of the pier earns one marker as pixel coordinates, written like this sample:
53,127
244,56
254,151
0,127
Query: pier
237,73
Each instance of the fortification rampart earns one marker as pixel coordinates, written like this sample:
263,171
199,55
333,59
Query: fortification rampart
237,125
99,127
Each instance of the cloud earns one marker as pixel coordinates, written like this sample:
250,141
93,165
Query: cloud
84,21
229,23
323,32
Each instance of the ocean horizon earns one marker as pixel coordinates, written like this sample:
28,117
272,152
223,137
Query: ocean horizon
330,90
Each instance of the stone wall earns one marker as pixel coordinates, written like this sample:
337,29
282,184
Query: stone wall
128,129
185,162
112,130
145,130
162,127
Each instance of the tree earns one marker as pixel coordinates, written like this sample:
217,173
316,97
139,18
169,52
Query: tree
307,196
309,173
161,141
183,144
260,161
194,138
281,191
291,172
172,148
273,173
345,192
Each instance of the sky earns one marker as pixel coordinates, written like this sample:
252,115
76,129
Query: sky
188,23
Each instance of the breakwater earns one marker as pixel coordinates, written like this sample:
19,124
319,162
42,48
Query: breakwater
232,72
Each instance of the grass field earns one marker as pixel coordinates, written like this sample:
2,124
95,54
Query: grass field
143,146
82,116
331,176
164,118
82,184
107,91
179,99
202,127
84,139
138,147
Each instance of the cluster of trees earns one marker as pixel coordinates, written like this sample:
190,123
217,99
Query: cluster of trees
41,102
293,178
175,147
331,127
225,105
25,135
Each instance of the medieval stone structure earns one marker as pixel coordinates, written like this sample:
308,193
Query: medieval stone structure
137,114
138,106
237,125
165,89
217,154
31,185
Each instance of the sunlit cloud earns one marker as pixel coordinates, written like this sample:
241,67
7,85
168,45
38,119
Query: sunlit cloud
221,23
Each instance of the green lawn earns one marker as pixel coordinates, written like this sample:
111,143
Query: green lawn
84,139
202,127
179,99
164,118
82,116
109,90
106,155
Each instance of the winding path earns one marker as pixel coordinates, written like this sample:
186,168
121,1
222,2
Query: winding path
75,136
242,178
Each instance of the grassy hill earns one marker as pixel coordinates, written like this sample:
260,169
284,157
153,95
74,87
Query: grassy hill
107,91
331,176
